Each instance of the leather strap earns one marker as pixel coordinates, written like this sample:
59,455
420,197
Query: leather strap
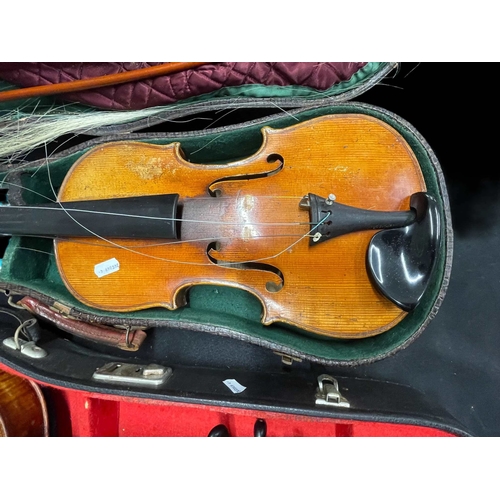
127,341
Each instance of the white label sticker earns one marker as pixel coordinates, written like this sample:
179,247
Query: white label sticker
106,267
234,385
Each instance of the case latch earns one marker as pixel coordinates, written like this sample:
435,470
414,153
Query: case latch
151,375
328,393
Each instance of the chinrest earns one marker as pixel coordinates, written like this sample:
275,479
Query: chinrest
401,261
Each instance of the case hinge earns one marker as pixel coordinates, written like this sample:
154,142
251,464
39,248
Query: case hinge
286,359
328,393
62,309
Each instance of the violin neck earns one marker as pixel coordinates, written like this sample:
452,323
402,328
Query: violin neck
142,217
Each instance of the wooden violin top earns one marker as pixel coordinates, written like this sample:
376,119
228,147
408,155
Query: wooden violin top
241,224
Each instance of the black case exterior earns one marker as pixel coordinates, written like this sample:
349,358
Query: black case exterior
198,373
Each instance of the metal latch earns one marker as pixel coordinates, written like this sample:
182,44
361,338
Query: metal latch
151,375
328,393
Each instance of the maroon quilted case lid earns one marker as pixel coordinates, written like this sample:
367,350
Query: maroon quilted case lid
207,78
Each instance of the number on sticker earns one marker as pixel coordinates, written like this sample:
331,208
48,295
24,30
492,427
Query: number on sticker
106,267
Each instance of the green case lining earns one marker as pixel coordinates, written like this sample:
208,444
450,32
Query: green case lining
222,307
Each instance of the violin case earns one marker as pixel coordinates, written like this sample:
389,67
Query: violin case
212,362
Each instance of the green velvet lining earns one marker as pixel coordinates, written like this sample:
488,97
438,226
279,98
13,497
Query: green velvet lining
268,91
220,306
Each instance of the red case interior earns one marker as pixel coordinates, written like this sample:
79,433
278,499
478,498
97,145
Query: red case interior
85,414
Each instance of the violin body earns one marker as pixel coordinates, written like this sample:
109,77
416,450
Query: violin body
240,224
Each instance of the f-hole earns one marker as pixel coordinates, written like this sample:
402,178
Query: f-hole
272,158
271,286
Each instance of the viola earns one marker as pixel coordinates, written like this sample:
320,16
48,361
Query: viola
328,224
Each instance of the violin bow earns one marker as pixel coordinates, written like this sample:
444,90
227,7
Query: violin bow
97,82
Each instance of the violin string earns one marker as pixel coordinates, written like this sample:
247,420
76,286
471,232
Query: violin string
288,247
74,220
205,145
83,242
232,110
192,200
284,111
114,244
195,240
47,156
164,243
59,146
25,189
146,216
22,162
129,248
169,219
36,250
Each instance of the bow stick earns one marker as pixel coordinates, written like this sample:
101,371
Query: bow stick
97,82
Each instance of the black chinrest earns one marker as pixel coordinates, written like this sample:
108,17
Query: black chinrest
401,261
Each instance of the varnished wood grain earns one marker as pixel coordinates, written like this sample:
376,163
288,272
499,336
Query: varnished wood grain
360,159
23,412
